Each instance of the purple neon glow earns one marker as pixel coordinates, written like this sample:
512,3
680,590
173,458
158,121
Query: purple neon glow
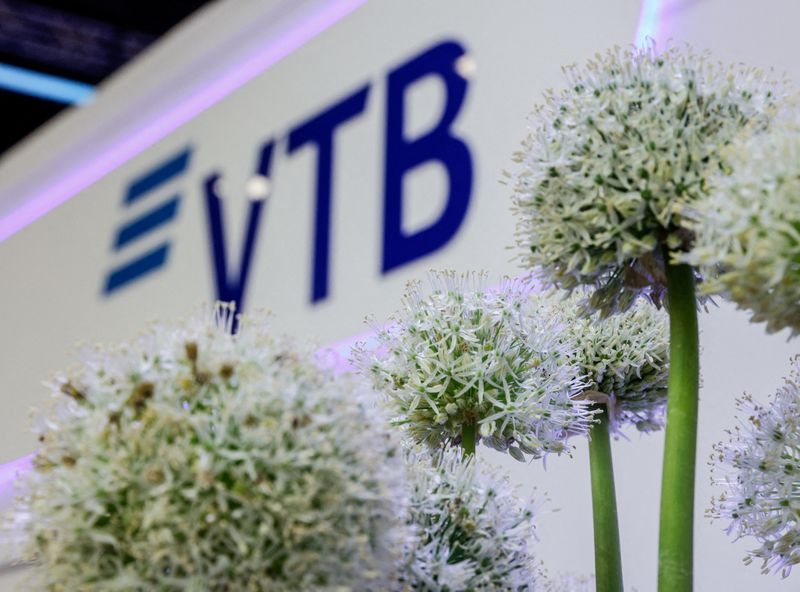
9,472
337,354
650,20
129,146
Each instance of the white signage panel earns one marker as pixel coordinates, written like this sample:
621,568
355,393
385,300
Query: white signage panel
365,157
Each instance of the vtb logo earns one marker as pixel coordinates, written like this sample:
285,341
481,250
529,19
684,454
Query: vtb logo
162,184
145,188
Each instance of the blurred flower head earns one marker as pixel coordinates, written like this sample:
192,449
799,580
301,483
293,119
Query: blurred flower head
196,459
460,353
758,468
612,159
472,532
748,230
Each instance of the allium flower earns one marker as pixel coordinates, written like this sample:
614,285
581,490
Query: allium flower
623,359
472,532
193,459
461,354
749,229
612,158
759,469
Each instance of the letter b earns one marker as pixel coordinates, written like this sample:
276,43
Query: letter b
438,144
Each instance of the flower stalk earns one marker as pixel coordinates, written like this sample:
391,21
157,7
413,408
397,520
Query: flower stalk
607,558
468,437
677,486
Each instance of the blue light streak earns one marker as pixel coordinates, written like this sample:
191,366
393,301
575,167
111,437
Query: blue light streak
44,86
649,21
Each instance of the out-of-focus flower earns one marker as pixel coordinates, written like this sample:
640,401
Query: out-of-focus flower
197,459
463,354
472,532
748,230
759,471
612,159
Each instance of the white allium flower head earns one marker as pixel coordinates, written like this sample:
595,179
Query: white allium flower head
624,359
759,471
196,459
748,231
612,158
460,353
472,531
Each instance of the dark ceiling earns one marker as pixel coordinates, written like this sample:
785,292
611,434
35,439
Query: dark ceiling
80,40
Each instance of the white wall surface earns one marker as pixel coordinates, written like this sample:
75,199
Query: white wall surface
54,269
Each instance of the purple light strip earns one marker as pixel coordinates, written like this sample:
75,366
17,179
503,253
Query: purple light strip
129,146
338,353
650,18
9,472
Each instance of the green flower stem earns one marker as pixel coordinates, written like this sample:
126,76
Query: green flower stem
468,433
677,485
607,559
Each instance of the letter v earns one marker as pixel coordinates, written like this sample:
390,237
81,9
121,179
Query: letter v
233,288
